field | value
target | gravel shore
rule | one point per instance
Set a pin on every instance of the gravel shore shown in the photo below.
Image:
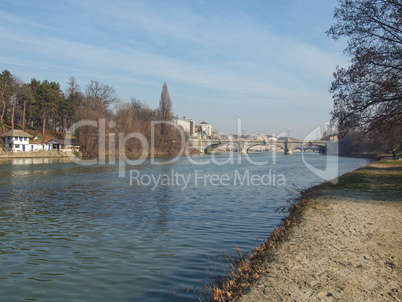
(348, 247)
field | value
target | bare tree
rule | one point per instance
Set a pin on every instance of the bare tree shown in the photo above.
(368, 94)
(105, 94)
(88, 136)
(94, 107)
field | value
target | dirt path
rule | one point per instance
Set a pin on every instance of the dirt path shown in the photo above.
(345, 249)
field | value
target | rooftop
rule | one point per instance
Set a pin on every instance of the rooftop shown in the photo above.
(63, 142)
(15, 133)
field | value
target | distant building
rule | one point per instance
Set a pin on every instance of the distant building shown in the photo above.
(215, 136)
(63, 145)
(225, 136)
(261, 137)
(206, 128)
(188, 125)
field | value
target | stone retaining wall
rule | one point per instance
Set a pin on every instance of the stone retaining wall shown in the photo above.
(39, 154)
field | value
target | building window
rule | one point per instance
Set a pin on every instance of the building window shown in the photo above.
(16, 146)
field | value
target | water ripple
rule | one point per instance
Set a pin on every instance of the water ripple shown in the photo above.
(75, 233)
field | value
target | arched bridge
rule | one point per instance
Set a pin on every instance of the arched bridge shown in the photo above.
(288, 145)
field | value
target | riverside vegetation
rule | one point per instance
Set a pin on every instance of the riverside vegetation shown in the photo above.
(274, 271)
(43, 109)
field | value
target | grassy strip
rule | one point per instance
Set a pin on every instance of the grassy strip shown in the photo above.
(383, 178)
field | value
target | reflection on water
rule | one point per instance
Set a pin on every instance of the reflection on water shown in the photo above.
(71, 232)
(34, 161)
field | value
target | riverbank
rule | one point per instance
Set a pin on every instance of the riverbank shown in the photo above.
(345, 245)
(36, 154)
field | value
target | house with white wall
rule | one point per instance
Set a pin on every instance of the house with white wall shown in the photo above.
(18, 141)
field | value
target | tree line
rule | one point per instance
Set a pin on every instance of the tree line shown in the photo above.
(43, 105)
(368, 94)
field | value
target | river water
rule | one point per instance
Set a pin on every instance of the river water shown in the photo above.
(71, 232)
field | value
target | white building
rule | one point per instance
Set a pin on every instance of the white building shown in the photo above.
(226, 137)
(188, 125)
(18, 141)
(260, 137)
(206, 128)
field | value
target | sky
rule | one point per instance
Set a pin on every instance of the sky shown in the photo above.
(267, 62)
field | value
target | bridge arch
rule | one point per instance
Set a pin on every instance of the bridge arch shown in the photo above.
(256, 144)
(299, 145)
(321, 149)
(211, 146)
(220, 143)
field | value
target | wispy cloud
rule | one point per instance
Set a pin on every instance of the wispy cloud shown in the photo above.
(217, 49)
(238, 78)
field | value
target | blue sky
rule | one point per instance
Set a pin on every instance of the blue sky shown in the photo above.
(266, 62)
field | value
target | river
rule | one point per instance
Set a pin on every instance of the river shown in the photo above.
(71, 232)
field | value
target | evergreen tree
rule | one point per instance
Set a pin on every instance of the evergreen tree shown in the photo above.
(47, 99)
(165, 107)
